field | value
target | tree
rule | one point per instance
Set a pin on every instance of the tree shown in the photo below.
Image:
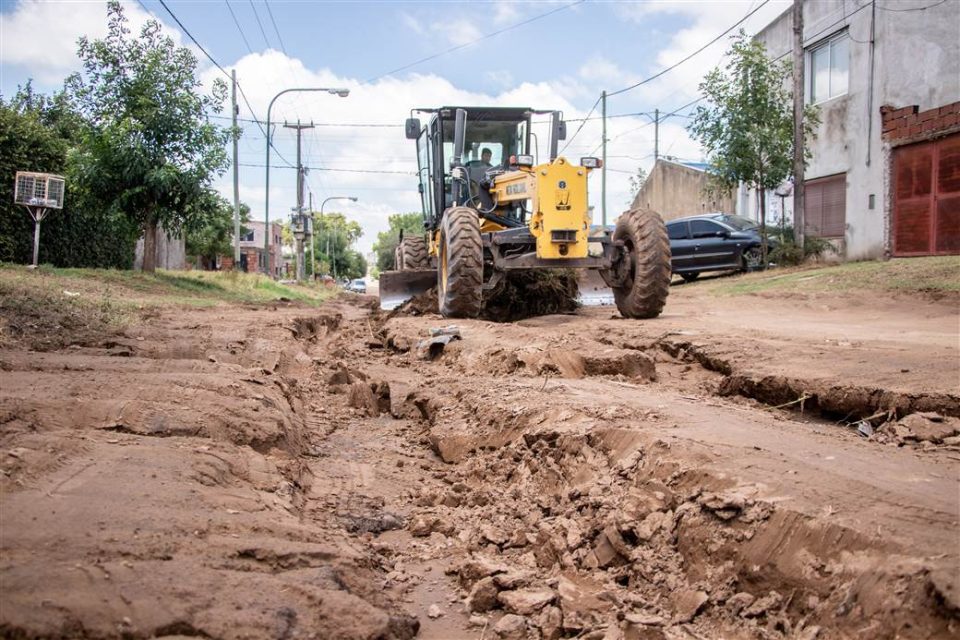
(42, 133)
(150, 151)
(387, 241)
(209, 233)
(636, 183)
(747, 126)
(333, 238)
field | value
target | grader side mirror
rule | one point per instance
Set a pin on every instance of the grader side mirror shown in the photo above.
(562, 131)
(412, 127)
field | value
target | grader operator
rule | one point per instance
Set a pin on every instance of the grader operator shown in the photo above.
(489, 208)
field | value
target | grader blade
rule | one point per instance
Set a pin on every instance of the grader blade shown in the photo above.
(396, 287)
(594, 292)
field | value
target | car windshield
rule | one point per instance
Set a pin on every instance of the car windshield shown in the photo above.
(737, 223)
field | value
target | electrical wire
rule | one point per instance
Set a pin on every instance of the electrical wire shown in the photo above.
(580, 128)
(237, 22)
(701, 49)
(929, 6)
(259, 24)
(283, 47)
(332, 169)
(485, 36)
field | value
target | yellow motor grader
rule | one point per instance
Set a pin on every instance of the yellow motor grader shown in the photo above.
(489, 208)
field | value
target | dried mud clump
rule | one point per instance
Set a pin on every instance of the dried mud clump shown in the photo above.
(522, 294)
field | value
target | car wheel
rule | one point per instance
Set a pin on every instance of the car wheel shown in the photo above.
(753, 259)
(690, 277)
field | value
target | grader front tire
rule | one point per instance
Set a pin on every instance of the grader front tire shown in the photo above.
(460, 272)
(412, 254)
(647, 268)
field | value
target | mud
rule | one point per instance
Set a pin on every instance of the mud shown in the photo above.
(294, 473)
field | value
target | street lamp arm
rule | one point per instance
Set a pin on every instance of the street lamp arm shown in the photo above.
(343, 93)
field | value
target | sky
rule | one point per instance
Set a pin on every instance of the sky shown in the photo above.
(541, 54)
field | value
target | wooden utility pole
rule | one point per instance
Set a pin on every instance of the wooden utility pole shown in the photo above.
(798, 142)
(236, 177)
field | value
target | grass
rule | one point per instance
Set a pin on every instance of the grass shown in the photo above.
(50, 307)
(929, 277)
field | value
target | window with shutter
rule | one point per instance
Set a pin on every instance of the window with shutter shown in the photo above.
(825, 206)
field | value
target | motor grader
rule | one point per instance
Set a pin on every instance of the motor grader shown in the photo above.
(489, 209)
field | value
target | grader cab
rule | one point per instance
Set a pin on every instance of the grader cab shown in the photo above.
(490, 208)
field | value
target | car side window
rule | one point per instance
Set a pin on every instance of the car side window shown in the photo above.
(677, 231)
(704, 229)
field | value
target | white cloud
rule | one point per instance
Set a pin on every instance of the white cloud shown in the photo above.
(41, 37)
(457, 32)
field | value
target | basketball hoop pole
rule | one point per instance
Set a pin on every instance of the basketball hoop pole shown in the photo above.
(38, 215)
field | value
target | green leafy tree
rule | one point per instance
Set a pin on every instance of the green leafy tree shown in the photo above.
(209, 233)
(42, 133)
(387, 241)
(150, 151)
(747, 125)
(636, 183)
(333, 237)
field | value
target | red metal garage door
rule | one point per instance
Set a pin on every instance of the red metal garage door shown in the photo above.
(926, 198)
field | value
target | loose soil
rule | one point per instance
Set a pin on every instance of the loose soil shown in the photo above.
(290, 472)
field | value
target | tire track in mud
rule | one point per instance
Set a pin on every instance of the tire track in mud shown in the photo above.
(560, 520)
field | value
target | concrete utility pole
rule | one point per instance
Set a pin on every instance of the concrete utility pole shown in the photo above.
(310, 230)
(603, 166)
(236, 177)
(300, 221)
(798, 142)
(656, 135)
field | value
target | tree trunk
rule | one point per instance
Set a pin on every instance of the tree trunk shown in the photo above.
(150, 247)
(763, 226)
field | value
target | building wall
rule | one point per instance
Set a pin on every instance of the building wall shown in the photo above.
(171, 252)
(674, 190)
(276, 247)
(916, 62)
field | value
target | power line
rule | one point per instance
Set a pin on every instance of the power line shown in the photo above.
(701, 49)
(335, 170)
(237, 22)
(929, 6)
(189, 35)
(475, 41)
(260, 24)
(580, 128)
(279, 37)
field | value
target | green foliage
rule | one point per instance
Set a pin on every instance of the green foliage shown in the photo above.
(387, 241)
(636, 183)
(40, 133)
(789, 253)
(333, 237)
(209, 233)
(747, 127)
(149, 151)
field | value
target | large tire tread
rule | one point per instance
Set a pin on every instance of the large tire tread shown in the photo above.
(648, 283)
(412, 254)
(460, 239)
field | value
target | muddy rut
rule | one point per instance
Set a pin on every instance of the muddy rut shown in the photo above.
(335, 473)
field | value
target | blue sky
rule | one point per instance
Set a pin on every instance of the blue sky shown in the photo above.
(560, 61)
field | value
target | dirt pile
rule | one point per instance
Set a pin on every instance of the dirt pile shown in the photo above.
(522, 294)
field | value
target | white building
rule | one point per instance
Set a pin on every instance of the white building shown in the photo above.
(884, 178)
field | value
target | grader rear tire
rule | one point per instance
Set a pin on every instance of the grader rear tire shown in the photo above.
(647, 268)
(460, 272)
(412, 254)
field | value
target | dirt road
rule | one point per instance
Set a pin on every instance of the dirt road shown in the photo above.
(278, 471)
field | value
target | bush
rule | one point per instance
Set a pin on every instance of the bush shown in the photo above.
(788, 253)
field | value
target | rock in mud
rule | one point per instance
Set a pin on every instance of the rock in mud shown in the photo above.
(526, 601)
(930, 427)
(511, 627)
(434, 612)
(739, 601)
(476, 568)
(687, 603)
(483, 596)
(763, 605)
(725, 506)
(361, 397)
(550, 621)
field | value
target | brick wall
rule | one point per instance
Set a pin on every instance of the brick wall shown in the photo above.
(908, 124)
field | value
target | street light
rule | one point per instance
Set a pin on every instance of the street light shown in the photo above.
(343, 93)
(351, 199)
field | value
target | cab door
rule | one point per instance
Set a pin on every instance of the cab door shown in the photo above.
(426, 176)
(713, 247)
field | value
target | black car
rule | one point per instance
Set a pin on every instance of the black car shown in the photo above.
(714, 242)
